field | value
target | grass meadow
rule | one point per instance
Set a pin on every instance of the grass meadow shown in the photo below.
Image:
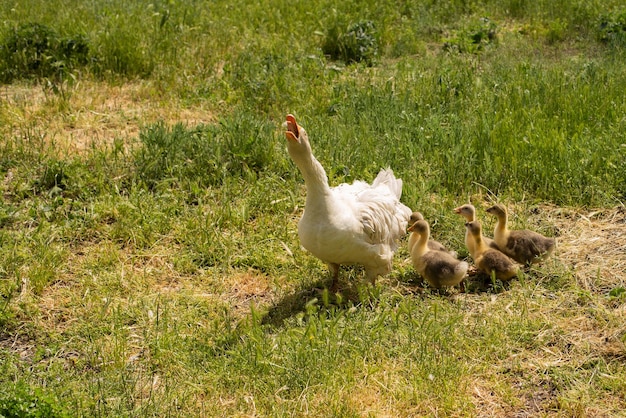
(149, 258)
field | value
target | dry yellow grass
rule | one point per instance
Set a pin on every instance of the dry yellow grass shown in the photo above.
(583, 324)
(94, 114)
(593, 244)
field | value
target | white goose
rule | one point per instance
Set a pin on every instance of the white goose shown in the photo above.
(354, 223)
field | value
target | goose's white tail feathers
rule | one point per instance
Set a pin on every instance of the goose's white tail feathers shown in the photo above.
(386, 177)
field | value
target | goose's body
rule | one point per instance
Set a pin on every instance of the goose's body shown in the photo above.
(432, 244)
(438, 268)
(523, 246)
(468, 212)
(356, 223)
(487, 259)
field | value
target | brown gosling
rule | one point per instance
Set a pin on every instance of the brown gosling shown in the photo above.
(523, 246)
(438, 268)
(432, 244)
(489, 260)
(468, 212)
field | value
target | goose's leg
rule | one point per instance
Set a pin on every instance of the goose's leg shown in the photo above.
(334, 273)
(371, 276)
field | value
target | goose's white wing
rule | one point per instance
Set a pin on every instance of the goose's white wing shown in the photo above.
(382, 217)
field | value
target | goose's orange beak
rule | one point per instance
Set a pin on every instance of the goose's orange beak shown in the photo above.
(293, 132)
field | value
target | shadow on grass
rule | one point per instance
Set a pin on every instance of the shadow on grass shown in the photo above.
(315, 298)
(474, 283)
(293, 303)
(309, 298)
(352, 291)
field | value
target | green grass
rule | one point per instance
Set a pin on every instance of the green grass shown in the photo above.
(160, 273)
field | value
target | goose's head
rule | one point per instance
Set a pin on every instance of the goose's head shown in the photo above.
(474, 228)
(467, 211)
(415, 216)
(419, 227)
(497, 210)
(297, 138)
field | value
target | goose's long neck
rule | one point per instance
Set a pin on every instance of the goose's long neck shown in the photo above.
(470, 243)
(418, 243)
(413, 239)
(500, 227)
(422, 243)
(315, 178)
(469, 218)
(479, 245)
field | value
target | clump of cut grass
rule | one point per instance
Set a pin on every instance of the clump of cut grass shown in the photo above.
(592, 241)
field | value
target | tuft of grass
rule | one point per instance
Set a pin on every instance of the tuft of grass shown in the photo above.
(22, 401)
(36, 50)
(358, 42)
(612, 27)
(207, 155)
(474, 38)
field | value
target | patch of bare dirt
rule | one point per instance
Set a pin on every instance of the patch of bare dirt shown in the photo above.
(250, 287)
